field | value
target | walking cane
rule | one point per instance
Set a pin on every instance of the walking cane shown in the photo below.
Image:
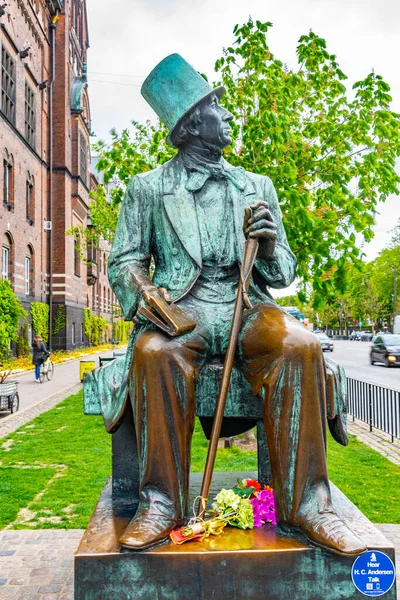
(242, 299)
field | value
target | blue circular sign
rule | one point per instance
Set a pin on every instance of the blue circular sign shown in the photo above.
(373, 573)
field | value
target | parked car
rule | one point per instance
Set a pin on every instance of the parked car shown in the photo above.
(366, 336)
(325, 341)
(354, 335)
(385, 348)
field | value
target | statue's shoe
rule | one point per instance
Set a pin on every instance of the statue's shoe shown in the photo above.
(332, 534)
(147, 529)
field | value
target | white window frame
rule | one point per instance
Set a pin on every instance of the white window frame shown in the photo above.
(73, 334)
(27, 275)
(5, 263)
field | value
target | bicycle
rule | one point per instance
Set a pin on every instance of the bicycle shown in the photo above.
(46, 370)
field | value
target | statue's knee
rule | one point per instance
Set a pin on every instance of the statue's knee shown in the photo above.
(150, 345)
(304, 341)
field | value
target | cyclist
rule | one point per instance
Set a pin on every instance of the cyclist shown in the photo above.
(39, 355)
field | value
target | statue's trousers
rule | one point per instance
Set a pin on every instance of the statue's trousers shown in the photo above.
(283, 363)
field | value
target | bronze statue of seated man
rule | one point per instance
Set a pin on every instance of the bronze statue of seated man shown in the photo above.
(188, 216)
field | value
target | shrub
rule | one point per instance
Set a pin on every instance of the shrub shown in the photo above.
(40, 319)
(60, 320)
(11, 311)
(23, 349)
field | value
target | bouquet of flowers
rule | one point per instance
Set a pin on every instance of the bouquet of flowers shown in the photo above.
(262, 501)
(245, 506)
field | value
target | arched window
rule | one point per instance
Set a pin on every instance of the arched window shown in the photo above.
(29, 272)
(105, 299)
(8, 181)
(109, 300)
(6, 257)
(30, 199)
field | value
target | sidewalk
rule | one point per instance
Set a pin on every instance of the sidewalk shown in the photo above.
(38, 565)
(38, 398)
(378, 440)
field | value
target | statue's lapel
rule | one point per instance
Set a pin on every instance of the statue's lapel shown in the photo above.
(180, 207)
(241, 199)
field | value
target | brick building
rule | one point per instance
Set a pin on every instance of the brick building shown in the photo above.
(45, 178)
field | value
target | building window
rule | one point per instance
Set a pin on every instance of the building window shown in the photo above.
(73, 333)
(27, 275)
(92, 253)
(77, 257)
(30, 335)
(105, 263)
(29, 269)
(30, 200)
(104, 299)
(30, 118)
(5, 263)
(82, 332)
(8, 85)
(8, 183)
(83, 158)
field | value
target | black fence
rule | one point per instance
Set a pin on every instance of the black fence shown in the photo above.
(377, 406)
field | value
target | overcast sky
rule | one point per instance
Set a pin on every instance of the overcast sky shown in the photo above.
(129, 37)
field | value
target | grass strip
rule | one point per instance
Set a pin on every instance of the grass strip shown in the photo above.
(55, 467)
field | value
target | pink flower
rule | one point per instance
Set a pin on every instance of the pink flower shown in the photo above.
(263, 505)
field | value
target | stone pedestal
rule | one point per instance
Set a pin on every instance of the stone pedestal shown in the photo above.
(265, 563)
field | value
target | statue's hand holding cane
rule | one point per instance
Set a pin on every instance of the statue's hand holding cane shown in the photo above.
(259, 224)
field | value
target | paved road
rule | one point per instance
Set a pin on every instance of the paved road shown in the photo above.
(66, 375)
(354, 356)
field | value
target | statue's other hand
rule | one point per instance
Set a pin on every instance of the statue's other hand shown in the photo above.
(165, 294)
(259, 223)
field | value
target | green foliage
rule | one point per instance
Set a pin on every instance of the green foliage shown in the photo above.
(23, 348)
(122, 330)
(87, 315)
(60, 320)
(40, 319)
(96, 328)
(99, 328)
(11, 311)
(331, 158)
(330, 154)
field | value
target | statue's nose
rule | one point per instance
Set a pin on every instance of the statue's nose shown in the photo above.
(228, 116)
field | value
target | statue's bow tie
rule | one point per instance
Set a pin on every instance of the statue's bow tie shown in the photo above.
(198, 176)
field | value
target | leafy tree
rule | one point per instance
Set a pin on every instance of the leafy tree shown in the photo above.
(11, 311)
(383, 276)
(329, 152)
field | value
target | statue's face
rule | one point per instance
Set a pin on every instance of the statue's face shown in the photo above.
(214, 127)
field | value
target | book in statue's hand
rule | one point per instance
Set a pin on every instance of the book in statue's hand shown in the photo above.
(167, 317)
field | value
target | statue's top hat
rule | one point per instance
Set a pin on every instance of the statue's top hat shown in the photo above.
(173, 89)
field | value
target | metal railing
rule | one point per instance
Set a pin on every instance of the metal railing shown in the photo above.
(375, 405)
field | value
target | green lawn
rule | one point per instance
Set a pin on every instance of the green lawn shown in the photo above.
(53, 469)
